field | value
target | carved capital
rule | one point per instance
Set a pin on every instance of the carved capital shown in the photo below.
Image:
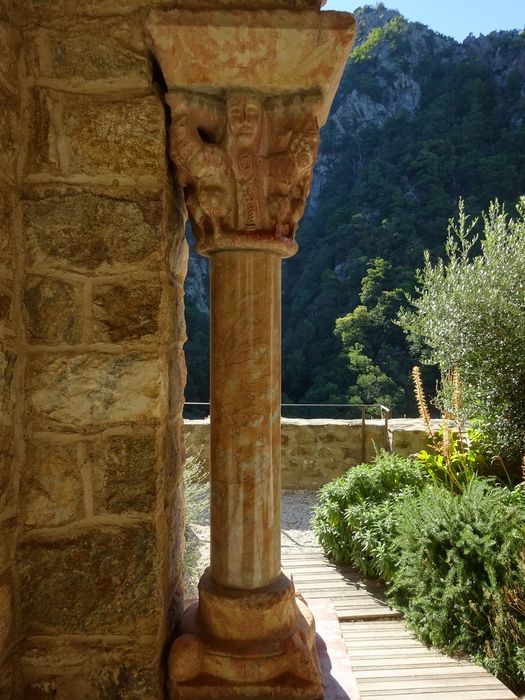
(245, 162)
(248, 92)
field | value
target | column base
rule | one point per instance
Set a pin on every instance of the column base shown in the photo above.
(246, 644)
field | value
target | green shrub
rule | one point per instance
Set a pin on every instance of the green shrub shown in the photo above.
(352, 519)
(460, 572)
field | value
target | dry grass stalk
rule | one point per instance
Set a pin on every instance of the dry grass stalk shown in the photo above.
(446, 444)
(456, 391)
(421, 400)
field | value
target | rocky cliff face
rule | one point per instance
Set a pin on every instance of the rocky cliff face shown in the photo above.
(197, 280)
(395, 80)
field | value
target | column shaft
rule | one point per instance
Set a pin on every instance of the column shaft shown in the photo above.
(245, 418)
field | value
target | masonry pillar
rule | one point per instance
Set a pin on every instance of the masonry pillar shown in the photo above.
(248, 91)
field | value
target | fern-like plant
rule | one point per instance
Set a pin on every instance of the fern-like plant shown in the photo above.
(460, 576)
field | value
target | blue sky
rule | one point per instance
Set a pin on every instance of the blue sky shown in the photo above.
(455, 18)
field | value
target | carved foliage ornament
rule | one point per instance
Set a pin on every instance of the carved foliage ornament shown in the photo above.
(245, 162)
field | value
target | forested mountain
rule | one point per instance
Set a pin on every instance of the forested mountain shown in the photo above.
(419, 121)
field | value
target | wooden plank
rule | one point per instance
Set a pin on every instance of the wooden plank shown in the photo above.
(387, 659)
(335, 584)
(406, 663)
(388, 654)
(348, 614)
(451, 670)
(386, 644)
(318, 575)
(386, 628)
(366, 636)
(453, 685)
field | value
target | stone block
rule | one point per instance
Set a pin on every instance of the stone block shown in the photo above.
(6, 466)
(90, 232)
(177, 381)
(9, 121)
(99, 581)
(105, 53)
(53, 311)
(6, 303)
(51, 488)
(9, 48)
(7, 368)
(6, 681)
(8, 11)
(58, 11)
(124, 312)
(124, 474)
(7, 197)
(43, 156)
(305, 451)
(335, 453)
(409, 436)
(52, 10)
(114, 682)
(250, 4)
(7, 621)
(94, 390)
(173, 328)
(301, 435)
(83, 136)
(72, 669)
(7, 543)
(127, 138)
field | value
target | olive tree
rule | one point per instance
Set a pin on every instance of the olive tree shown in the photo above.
(469, 315)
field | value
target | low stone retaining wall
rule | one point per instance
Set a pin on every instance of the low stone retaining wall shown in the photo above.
(316, 451)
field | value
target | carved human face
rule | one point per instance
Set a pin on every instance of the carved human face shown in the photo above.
(245, 119)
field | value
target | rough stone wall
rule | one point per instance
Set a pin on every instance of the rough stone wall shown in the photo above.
(313, 451)
(11, 359)
(316, 451)
(408, 435)
(91, 358)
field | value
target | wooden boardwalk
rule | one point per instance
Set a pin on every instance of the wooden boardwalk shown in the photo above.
(388, 661)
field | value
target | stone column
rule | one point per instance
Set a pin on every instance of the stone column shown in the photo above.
(245, 418)
(248, 91)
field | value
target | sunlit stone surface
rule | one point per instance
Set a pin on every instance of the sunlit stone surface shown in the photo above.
(248, 91)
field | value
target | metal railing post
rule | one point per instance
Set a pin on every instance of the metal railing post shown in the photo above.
(386, 416)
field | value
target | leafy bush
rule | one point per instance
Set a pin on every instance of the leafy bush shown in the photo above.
(460, 572)
(452, 458)
(454, 557)
(353, 517)
(470, 315)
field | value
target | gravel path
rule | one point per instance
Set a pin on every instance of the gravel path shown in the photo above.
(296, 533)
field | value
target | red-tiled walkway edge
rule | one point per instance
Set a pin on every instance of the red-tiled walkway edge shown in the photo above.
(338, 677)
